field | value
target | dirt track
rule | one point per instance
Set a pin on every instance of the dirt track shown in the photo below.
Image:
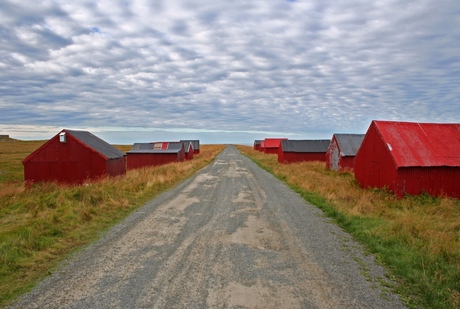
(231, 237)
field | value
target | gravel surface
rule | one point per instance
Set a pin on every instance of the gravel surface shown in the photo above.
(232, 236)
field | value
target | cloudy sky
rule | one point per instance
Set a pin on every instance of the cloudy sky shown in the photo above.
(227, 71)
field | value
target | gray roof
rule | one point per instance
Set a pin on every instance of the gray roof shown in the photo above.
(96, 144)
(257, 142)
(138, 146)
(305, 145)
(175, 145)
(349, 143)
(154, 151)
(195, 143)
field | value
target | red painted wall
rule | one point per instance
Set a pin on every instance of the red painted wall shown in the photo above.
(437, 181)
(189, 155)
(70, 162)
(347, 163)
(374, 167)
(289, 157)
(138, 160)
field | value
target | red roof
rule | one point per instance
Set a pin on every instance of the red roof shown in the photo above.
(273, 142)
(422, 144)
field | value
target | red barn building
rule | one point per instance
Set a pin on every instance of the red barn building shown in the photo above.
(257, 144)
(195, 145)
(262, 146)
(152, 154)
(342, 151)
(410, 158)
(302, 150)
(272, 145)
(188, 148)
(72, 157)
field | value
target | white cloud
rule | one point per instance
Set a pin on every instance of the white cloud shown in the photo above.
(304, 67)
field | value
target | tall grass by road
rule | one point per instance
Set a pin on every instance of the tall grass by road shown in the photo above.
(41, 225)
(417, 238)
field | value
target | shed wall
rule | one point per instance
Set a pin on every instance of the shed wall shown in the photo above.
(290, 157)
(138, 160)
(437, 181)
(189, 154)
(346, 163)
(374, 166)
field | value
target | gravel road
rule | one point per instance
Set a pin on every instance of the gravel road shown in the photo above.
(232, 236)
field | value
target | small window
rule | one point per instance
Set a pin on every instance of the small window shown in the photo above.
(62, 137)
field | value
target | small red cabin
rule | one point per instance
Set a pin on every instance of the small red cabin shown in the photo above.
(152, 154)
(72, 157)
(272, 145)
(257, 145)
(342, 151)
(195, 145)
(410, 158)
(262, 146)
(302, 150)
(188, 148)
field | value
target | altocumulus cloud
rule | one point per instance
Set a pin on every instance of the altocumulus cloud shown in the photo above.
(304, 69)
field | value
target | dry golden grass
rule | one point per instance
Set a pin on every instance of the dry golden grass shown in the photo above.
(428, 226)
(42, 224)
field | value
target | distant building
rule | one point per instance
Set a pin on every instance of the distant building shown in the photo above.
(262, 146)
(410, 158)
(342, 151)
(302, 150)
(73, 157)
(272, 145)
(195, 144)
(188, 148)
(153, 154)
(257, 145)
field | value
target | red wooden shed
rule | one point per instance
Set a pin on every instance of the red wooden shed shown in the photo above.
(257, 144)
(302, 150)
(342, 151)
(72, 157)
(195, 144)
(272, 145)
(410, 158)
(188, 148)
(152, 154)
(262, 146)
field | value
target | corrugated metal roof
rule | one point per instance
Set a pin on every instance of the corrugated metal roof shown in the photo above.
(421, 144)
(305, 145)
(138, 146)
(154, 151)
(349, 143)
(157, 147)
(96, 143)
(175, 145)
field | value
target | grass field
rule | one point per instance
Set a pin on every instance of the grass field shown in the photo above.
(417, 238)
(43, 224)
